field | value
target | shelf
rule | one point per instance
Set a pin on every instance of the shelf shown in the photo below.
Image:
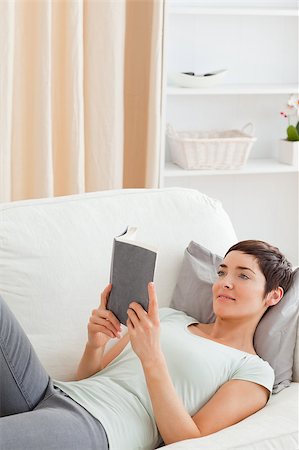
(236, 11)
(229, 89)
(252, 167)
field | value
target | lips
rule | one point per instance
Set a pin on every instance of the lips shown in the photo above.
(225, 298)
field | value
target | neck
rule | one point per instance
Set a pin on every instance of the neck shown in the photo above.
(237, 333)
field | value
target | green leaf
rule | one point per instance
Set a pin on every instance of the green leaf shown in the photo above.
(293, 134)
(297, 127)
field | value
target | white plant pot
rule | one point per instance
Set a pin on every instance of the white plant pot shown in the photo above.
(288, 152)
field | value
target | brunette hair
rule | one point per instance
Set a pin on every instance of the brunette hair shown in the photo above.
(274, 265)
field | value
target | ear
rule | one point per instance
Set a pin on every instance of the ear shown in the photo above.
(273, 297)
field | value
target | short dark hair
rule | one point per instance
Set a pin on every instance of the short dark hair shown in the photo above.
(274, 265)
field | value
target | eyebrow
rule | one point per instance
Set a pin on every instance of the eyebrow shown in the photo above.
(239, 267)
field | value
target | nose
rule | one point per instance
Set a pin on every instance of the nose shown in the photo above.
(227, 282)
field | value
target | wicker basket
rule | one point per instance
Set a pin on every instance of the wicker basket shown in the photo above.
(210, 149)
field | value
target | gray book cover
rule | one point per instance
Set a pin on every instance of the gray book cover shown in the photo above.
(132, 268)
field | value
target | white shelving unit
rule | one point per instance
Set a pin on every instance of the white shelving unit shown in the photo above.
(253, 167)
(258, 43)
(231, 89)
(230, 10)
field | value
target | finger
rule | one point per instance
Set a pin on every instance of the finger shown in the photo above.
(105, 295)
(133, 317)
(138, 309)
(153, 307)
(130, 325)
(104, 323)
(108, 315)
(100, 329)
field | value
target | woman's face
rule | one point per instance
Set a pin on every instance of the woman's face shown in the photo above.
(239, 290)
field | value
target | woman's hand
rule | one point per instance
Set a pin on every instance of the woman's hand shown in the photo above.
(102, 325)
(144, 329)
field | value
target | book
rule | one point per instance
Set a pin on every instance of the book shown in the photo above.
(132, 268)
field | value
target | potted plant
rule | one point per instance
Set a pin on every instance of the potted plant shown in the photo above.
(289, 147)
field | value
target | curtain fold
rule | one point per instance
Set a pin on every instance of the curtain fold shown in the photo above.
(6, 81)
(104, 34)
(67, 116)
(154, 121)
(79, 96)
(30, 103)
(143, 87)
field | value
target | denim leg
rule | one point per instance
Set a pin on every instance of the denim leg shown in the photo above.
(57, 423)
(23, 380)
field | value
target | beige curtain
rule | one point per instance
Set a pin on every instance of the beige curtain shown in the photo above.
(80, 96)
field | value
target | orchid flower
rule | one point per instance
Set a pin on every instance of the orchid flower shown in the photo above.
(292, 111)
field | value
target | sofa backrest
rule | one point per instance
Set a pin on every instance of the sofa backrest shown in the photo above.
(55, 256)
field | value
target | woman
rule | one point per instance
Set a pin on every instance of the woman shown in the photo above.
(169, 378)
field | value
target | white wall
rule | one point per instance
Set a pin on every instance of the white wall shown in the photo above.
(260, 206)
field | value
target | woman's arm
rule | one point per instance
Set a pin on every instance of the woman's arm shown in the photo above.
(172, 419)
(94, 359)
(102, 326)
(174, 422)
(234, 401)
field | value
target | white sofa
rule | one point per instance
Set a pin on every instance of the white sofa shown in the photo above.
(55, 260)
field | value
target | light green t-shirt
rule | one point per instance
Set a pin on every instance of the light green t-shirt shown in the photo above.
(118, 396)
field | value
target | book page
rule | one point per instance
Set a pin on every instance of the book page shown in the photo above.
(129, 237)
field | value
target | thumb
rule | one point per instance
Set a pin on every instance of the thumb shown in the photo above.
(105, 296)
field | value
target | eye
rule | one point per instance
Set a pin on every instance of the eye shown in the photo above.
(220, 273)
(243, 276)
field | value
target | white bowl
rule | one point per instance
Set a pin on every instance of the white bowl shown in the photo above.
(196, 81)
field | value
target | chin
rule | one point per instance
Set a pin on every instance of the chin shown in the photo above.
(223, 311)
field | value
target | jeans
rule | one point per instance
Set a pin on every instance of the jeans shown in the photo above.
(34, 414)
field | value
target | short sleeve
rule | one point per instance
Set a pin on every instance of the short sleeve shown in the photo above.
(256, 370)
